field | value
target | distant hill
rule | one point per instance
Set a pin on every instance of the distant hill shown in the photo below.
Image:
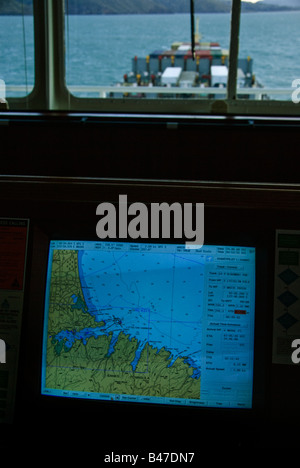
(291, 3)
(104, 7)
(145, 6)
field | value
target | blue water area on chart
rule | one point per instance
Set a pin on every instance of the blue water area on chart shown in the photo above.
(154, 298)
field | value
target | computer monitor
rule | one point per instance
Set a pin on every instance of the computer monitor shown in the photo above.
(151, 323)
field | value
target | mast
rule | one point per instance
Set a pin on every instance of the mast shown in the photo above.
(198, 36)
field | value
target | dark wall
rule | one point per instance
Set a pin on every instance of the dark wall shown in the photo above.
(207, 149)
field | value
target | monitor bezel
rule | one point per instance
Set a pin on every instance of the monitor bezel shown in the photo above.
(73, 219)
(40, 408)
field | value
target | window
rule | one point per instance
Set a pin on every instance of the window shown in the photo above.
(272, 38)
(142, 51)
(84, 55)
(144, 61)
(118, 56)
(17, 49)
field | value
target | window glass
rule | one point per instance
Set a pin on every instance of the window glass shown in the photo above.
(271, 39)
(16, 48)
(144, 51)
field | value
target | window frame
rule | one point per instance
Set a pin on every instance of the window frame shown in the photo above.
(50, 92)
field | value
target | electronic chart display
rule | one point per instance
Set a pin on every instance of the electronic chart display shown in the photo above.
(149, 323)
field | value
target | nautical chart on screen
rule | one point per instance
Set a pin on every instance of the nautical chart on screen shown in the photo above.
(148, 322)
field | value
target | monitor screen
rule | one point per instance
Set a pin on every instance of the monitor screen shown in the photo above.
(150, 323)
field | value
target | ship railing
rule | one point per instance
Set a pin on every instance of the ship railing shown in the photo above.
(196, 92)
